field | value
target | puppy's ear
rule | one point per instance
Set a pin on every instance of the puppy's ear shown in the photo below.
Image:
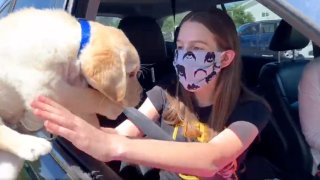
(106, 72)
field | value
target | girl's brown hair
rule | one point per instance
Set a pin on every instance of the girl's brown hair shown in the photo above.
(228, 84)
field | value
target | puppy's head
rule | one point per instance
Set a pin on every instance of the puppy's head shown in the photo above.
(110, 64)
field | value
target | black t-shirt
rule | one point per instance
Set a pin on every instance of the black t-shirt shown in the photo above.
(251, 111)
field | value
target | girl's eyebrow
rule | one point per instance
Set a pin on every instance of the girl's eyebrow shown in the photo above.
(195, 41)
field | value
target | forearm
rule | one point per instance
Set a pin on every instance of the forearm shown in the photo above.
(310, 119)
(200, 159)
(309, 100)
(127, 128)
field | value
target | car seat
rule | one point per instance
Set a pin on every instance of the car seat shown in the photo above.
(282, 140)
(146, 36)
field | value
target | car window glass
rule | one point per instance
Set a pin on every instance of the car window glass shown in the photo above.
(268, 27)
(108, 21)
(309, 8)
(4, 7)
(40, 4)
(250, 30)
(256, 25)
(168, 27)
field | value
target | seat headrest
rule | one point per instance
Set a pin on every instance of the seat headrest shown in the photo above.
(287, 38)
(146, 36)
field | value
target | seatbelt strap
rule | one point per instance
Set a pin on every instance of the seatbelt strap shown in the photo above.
(146, 125)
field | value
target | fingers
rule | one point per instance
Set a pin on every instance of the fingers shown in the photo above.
(50, 102)
(54, 118)
(36, 104)
(60, 131)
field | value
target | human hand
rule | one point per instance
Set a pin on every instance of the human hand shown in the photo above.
(102, 145)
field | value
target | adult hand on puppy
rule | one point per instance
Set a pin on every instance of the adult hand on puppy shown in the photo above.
(102, 145)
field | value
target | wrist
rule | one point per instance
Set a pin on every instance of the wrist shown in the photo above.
(120, 148)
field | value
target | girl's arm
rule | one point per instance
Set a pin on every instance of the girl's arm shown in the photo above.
(127, 128)
(200, 159)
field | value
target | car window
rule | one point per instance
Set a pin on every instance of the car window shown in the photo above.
(108, 21)
(250, 30)
(168, 25)
(308, 8)
(268, 27)
(303, 15)
(256, 25)
(4, 7)
(40, 4)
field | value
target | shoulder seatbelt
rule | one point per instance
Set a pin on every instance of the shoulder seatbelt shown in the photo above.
(147, 126)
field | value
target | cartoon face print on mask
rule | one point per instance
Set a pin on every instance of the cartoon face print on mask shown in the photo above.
(210, 56)
(189, 56)
(196, 68)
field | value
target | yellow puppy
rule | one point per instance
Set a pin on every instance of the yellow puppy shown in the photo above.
(48, 52)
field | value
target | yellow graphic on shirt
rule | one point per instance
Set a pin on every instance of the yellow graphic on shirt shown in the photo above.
(202, 128)
(228, 172)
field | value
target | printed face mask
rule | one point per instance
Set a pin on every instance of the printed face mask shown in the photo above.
(196, 68)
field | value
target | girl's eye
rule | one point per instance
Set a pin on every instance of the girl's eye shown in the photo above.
(197, 48)
(179, 47)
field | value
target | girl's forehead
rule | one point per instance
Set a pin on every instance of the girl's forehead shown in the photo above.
(193, 32)
(192, 29)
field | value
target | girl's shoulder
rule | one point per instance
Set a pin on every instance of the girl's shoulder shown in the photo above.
(255, 111)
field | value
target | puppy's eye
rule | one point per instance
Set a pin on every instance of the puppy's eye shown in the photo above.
(132, 74)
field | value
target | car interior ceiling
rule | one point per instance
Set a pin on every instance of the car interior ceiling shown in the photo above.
(276, 81)
(151, 8)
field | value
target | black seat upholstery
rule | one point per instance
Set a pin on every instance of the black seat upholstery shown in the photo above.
(278, 82)
(251, 69)
(145, 34)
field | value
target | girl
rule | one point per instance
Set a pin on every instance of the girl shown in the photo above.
(211, 116)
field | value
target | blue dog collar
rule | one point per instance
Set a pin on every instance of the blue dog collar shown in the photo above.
(85, 34)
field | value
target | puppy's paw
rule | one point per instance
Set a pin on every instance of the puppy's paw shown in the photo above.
(31, 148)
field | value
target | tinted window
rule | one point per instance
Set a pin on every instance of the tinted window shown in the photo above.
(309, 9)
(268, 27)
(40, 4)
(168, 27)
(108, 21)
(250, 30)
(4, 7)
